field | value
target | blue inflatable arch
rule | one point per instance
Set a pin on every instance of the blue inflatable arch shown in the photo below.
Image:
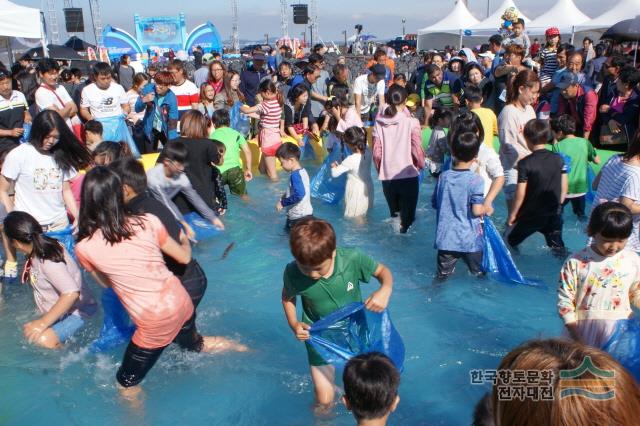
(205, 36)
(119, 42)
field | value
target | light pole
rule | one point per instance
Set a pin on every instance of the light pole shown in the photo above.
(488, 3)
(403, 22)
(344, 33)
(266, 36)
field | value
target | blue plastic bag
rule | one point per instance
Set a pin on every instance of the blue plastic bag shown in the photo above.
(591, 194)
(66, 238)
(497, 260)
(326, 188)
(239, 121)
(624, 346)
(115, 129)
(307, 150)
(116, 327)
(202, 227)
(354, 330)
(27, 132)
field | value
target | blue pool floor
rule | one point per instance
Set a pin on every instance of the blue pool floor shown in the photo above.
(448, 329)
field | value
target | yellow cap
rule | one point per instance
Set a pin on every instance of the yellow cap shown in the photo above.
(413, 100)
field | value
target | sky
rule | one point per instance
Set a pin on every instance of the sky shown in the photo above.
(382, 18)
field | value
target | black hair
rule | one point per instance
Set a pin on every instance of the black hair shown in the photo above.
(102, 207)
(23, 227)
(473, 94)
(68, 153)
(101, 68)
(355, 136)
(176, 151)
(46, 65)
(371, 383)
(296, 91)
(440, 114)
(315, 58)
(131, 173)
(338, 68)
(629, 75)
(600, 49)
(309, 69)
(288, 150)
(220, 150)
(433, 68)
(93, 126)
(537, 132)
(618, 61)
(399, 76)
(466, 122)
(520, 21)
(496, 39)
(112, 151)
(76, 72)
(267, 85)
(28, 85)
(465, 146)
(587, 39)
(611, 220)
(65, 75)
(316, 48)
(285, 64)
(338, 100)
(221, 118)
(395, 96)
(565, 124)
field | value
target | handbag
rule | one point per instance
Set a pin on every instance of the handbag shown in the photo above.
(607, 137)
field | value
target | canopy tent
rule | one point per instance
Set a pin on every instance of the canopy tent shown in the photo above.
(625, 9)
(564, 15)
(78, 44)
(20, 21)
(491, 24)
(56, 52)
(458, 20)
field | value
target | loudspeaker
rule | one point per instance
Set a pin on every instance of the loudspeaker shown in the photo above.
(300, 14)
(74, 20)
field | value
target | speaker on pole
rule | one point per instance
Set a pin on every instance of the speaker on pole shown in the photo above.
(300, 14)
(73, 20)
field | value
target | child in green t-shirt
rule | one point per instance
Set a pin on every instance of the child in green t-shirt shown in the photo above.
(326, 278)
(581, 152)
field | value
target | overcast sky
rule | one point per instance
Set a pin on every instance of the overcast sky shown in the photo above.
(382, 18)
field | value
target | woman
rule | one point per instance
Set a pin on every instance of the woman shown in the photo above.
(284, 78)
(398, 156)
(474, 76)
(230, 93)
(297, 109)
(160, 108)
(504, 74)
(522, 94)
(41, 171)
(134, 119)
(206, 104)
(216, 76)
(124, 251)
(621, 114)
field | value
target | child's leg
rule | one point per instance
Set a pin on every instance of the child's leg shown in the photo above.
(136, 363)
(552, 232)
(578, 206)
(446, 263)
(9, 251)
(390, 194)
(408, 200)
(474, 262)
(270, 167)
(323, 377)
(522, 229)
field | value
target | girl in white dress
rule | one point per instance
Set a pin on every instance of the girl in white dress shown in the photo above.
(358, 196)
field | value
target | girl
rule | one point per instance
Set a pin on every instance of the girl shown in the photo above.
(438, 144)
(230, 93)
(398, 156)
(41, 171)
(207, 96)
(134, 119)
(296, 113)
(358, 196)
(339, 116)
(599, 283)
(60, 294)
(124, 251)
(160, 106)
(549, 62)
(270, 111)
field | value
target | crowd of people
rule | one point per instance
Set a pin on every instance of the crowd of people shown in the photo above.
(508, 117)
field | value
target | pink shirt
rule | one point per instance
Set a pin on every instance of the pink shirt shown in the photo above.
(351, 118)
(154, 298)
(397, 146)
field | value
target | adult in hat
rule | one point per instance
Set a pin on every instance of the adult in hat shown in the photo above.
(368, 89)
(202, 73)
(251, 77)
(579, 101)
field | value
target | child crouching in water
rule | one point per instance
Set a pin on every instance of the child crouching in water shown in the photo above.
(61, 295)
(358, 196)
(326, 278)
(599, 283)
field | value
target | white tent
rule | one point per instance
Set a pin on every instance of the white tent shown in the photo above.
(564, 15)
(490, 25)
(625, 9)
(455, 22)
(19, 21)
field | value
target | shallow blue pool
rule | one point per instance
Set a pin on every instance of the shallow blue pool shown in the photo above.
(448, 329)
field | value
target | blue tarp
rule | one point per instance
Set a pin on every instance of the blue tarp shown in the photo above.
(323, 186)
(66, 238)
(354, 330)
(116, 328)
(624, 346)
(202, 227)
(307, 150)
(115, 129)
(239, 121)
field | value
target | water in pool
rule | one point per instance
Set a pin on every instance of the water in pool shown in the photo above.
(448, 329)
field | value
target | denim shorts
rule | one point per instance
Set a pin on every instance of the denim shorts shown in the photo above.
(67, 327)
(511, 183)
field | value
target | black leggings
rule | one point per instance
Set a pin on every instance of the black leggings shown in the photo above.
(402, 197)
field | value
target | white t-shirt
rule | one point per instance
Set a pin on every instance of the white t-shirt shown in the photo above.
(368, 91)
(38, 183)
(46, 98)
(488, 166)
(104, 103)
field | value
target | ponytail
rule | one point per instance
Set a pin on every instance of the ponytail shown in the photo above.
(395, 96)
(356, 137)
(22, 227)
(524, 78)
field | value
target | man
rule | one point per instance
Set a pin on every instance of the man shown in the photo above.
(380, 57)
(187, 94)
(14, 112)
(495, 46)
(202, 74)
(416, 78)
(339, 83)
(310, 74)
(251, 77)
(126, 72)
(197, 57)
(574, 65)
(103, 98)
(486, 61)
(369, 89)
(587, 50)
(318, 93)
(53, 96)
(593, 68)
(437, 91)
(579, 101)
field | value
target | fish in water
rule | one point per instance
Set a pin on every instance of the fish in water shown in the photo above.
(227, 250)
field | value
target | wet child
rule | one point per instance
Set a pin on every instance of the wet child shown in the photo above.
(438, 145)
(220, 205)
(599, 284)
(459, 203)
(473, 98)
(297, 199)
(541, 190)
(371, 388)
(580, 152)
(63, 299)
(358, 196)
(326, 278)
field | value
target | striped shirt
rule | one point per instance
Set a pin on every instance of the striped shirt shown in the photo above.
(618, 179)
(550, 64)
(270, 114)
(187, 93)
(12, 115)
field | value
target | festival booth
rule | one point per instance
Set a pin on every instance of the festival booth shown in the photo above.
(564, 15)
(119, 42)
(449, 30)
(491, 25)
(624, 9)
(19, 21)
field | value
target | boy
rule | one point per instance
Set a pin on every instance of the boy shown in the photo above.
(297, 199)
(92, 134)
(459, 203)
(473, 99)
(519, 37)
(231, 171)
(326, 278)
(104, 98)
(542, 188)
(167, 179)
(371, 388)
(580, 151)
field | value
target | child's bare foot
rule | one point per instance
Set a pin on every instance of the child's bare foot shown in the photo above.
(218, 344)
(132, 396)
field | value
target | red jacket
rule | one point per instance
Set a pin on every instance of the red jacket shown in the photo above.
(583, 108)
